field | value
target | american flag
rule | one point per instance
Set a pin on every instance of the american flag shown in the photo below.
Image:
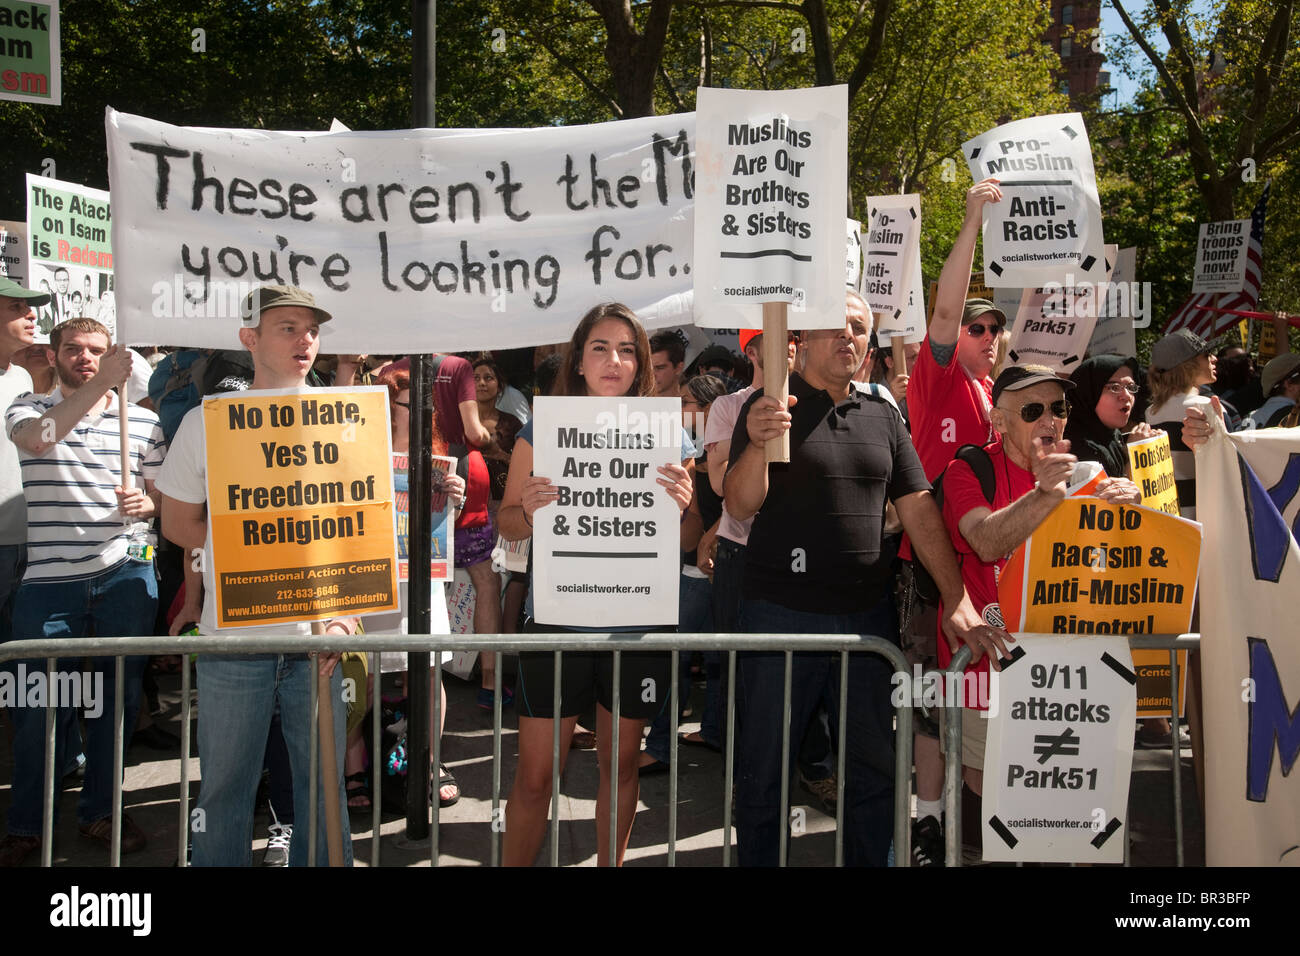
(1196, 314)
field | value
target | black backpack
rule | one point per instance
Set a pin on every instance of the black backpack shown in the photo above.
(980, 463)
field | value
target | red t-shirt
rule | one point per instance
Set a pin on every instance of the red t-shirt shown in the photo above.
(453, 385)
(949, 408)
(961, 495)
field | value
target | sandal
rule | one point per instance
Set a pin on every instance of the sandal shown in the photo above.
(583, 740)
(446, 779)
(361, 791)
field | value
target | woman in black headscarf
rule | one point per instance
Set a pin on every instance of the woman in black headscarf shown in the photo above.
(1105, 393)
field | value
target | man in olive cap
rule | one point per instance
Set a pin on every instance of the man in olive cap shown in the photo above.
(281, 328)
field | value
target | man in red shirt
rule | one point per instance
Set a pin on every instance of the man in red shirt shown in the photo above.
(1032, 467)
(949, 394)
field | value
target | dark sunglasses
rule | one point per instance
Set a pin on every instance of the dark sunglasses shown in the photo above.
(977, 329)
(406, 405)
(1033, 411)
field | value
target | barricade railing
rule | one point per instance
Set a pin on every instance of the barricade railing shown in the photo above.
(952, 740)
(244, 643)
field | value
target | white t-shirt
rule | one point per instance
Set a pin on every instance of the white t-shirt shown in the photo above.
(184, 477)
(14, 381)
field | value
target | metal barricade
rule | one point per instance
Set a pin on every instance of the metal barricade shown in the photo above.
(371, 644)
(952, 740)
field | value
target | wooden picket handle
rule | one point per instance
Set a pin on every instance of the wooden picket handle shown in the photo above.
(776, 370)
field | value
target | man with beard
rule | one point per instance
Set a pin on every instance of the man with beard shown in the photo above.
(88, 569)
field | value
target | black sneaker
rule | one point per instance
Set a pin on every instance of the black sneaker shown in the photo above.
(927, 842)
(278, 836)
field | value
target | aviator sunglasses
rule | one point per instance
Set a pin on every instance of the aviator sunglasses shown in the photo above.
(977, 329)
(1033, 411)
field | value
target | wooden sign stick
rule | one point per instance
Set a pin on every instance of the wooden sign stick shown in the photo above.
(329, 765)
(896, 344)
(776, 370)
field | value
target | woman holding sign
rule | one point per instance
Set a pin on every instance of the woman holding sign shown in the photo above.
(609, 355)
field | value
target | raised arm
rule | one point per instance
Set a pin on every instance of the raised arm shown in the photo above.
(954, 280)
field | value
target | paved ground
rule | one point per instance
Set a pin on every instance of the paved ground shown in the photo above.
(152, 779)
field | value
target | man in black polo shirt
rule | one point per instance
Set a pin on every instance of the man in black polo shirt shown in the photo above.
(814, 566)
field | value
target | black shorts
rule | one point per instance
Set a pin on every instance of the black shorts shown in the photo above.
(587, 678)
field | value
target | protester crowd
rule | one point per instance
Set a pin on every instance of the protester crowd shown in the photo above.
(842, 539)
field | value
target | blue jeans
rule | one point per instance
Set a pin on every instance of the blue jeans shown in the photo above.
(119, 602)
(869, 763)
(237, 696)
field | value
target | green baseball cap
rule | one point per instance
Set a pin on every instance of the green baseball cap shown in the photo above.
(10, 288)
(269, 297)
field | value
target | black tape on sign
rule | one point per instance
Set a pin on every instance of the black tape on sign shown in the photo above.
(897, 313)
(1070, 361)
(1016, 653)
(912, 211)
(995, 268)
(1069, 132)
(1088, 263)
(1015, 356)
(1119, 668)
(1107, 833)
(1001, 830)
(975, 153)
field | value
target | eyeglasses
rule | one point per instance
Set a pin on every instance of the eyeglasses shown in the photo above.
(977, 329)
(1033, 411)
(1116, 387)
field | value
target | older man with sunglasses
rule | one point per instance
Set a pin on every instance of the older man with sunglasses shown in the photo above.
(1031, 466)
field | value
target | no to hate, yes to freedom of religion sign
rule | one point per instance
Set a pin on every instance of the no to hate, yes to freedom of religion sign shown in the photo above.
(300, 497)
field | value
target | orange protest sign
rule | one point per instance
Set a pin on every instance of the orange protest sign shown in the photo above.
(300, 500)
(1097, 568)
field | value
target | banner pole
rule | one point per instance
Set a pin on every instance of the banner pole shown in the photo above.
(124, 435)
(420, 458)
(776, 370)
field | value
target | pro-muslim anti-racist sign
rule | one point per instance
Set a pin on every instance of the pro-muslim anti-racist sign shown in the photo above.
(1221, 256)
(1059, 752)
(771, 189)
(459, 239)
(1047, 228)
(893, 256)
(300, 499)
(607, 552)
(70, 253)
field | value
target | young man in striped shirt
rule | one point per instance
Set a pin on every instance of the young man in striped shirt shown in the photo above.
(86, 571)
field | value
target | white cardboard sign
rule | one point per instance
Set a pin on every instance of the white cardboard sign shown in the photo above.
(414, 240)
(1221, 256)
(1047, 228)
(1114, 332)
(607, 552)
(1060, 750)
(1054, 324)
(893, 256)
(771, 189)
